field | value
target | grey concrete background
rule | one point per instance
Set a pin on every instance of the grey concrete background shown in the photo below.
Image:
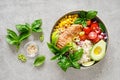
(20, 11)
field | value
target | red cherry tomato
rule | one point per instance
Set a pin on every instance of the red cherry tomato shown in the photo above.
(96, 40)
(94, 26)
(88, 22)
(87, 30)
(92, 35)
(84, 37)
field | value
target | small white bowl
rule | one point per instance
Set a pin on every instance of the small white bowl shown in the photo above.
(31, 49)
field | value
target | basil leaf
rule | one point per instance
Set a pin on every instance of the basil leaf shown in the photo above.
(91, 14)
(77, 55)
(23, 28)
(12, 34)
(78, 21)
(82, 14)
(84, 23)
(76, 65)
(39, 61)
(41, 37)
(36, 29)
(64, 49)
(81, 21)
(36, 26)
(24, 36)
(11, 40)
(102, 27)
(53, 48)
(61, 52)
(55, 37)
(57, 56)
(64, 63)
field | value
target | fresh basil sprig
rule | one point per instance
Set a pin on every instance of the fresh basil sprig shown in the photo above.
(71, 60)
(25, 31)
(84, 16)
(64, 63)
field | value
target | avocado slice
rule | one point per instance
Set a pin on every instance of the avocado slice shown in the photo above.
(55, 36)
(98, 50)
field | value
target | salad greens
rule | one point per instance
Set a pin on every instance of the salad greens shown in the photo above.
(102, 26)
(39, 61)
(25, 31)
(84, 16)
(65, 62)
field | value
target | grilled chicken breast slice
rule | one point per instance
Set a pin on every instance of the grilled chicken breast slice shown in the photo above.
(68, 34)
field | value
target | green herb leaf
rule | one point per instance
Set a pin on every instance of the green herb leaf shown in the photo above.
(91, 14)
(64, 63)
(24, 36)
(84, 23)
(81, 21)
(57, 56)
(102, 27)
(76, 65)
(53, 48)
(39, 60)
(82, 14)
(11, 40)
(41, 36)
(77, 55)
(12, 34)
(61, 52)
(36, 26)
(78, 21)
(23, 28)
(64, 49)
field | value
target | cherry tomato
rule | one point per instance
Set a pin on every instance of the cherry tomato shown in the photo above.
(87, 30)
(88, 22)
(92, 35)
(82, 38)
(96, 40)
(94, 26)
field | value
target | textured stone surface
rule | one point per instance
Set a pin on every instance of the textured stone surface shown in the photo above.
(20, 11)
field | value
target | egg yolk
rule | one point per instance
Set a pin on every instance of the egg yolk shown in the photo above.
(97, 50)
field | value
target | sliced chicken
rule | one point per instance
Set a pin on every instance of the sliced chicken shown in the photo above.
(68, 34)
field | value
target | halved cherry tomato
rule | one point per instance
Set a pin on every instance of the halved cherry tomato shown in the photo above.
(87, 30)
(92, 35)
(94, 26)
(82, 38)
(88, 22)
(96, 40)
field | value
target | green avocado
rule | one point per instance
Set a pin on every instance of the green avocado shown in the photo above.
(98, 50)
(55, 36)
